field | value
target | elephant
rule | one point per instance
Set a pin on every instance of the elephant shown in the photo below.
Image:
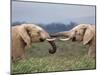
(24, 35)
(84, 33)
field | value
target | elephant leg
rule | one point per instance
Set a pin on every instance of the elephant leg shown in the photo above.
(14, 55)
(18, 55)
(13, 59)
(92, 52)
(23, 54)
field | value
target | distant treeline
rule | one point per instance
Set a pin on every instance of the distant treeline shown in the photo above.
(52, 27)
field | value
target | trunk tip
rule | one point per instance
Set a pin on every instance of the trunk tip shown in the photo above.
(52, 51)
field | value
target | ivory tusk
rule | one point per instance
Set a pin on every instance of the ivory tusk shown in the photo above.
(51, 39)
(65, 39)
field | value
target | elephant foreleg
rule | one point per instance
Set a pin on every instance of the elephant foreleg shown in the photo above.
(92, 52)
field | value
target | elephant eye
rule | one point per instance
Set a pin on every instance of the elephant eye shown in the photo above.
(38, 32)
(31, 33)
(79, 34)
(75, 31)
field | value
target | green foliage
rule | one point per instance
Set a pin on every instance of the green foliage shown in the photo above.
(69, 56)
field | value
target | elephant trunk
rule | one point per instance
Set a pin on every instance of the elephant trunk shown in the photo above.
(65, 34)
(46, 36)
(52, 43)
(60, 34)
(52, 51)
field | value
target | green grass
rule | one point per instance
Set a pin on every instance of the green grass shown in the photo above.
(69, 56)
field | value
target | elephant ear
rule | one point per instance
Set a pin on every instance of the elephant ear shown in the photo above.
(24, 34)
(88, 35)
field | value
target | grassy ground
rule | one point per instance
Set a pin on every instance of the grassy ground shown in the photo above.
(69, 56)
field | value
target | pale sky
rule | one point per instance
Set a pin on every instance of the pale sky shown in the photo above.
(33, 12)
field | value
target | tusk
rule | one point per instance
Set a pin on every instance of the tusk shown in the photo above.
(65, 39)
(51, 39)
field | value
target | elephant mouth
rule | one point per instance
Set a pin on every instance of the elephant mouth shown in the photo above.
(73, 39)
(42, 39)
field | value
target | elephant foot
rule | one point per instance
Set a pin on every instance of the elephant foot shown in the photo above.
(91, 54)
(23, 56)
(13, 59)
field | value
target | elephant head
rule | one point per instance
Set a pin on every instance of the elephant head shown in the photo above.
(31, 33)
(82, 32)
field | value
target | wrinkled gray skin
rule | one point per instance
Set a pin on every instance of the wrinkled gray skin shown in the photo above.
(83, 33)
(24, 35)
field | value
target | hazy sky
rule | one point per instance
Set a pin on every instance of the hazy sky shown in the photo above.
(32, 12)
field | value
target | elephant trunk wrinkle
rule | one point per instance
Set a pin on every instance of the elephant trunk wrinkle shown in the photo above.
(52, 51)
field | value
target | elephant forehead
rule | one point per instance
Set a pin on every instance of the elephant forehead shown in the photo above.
(80, 26)
(33, 26)
(37, 27)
